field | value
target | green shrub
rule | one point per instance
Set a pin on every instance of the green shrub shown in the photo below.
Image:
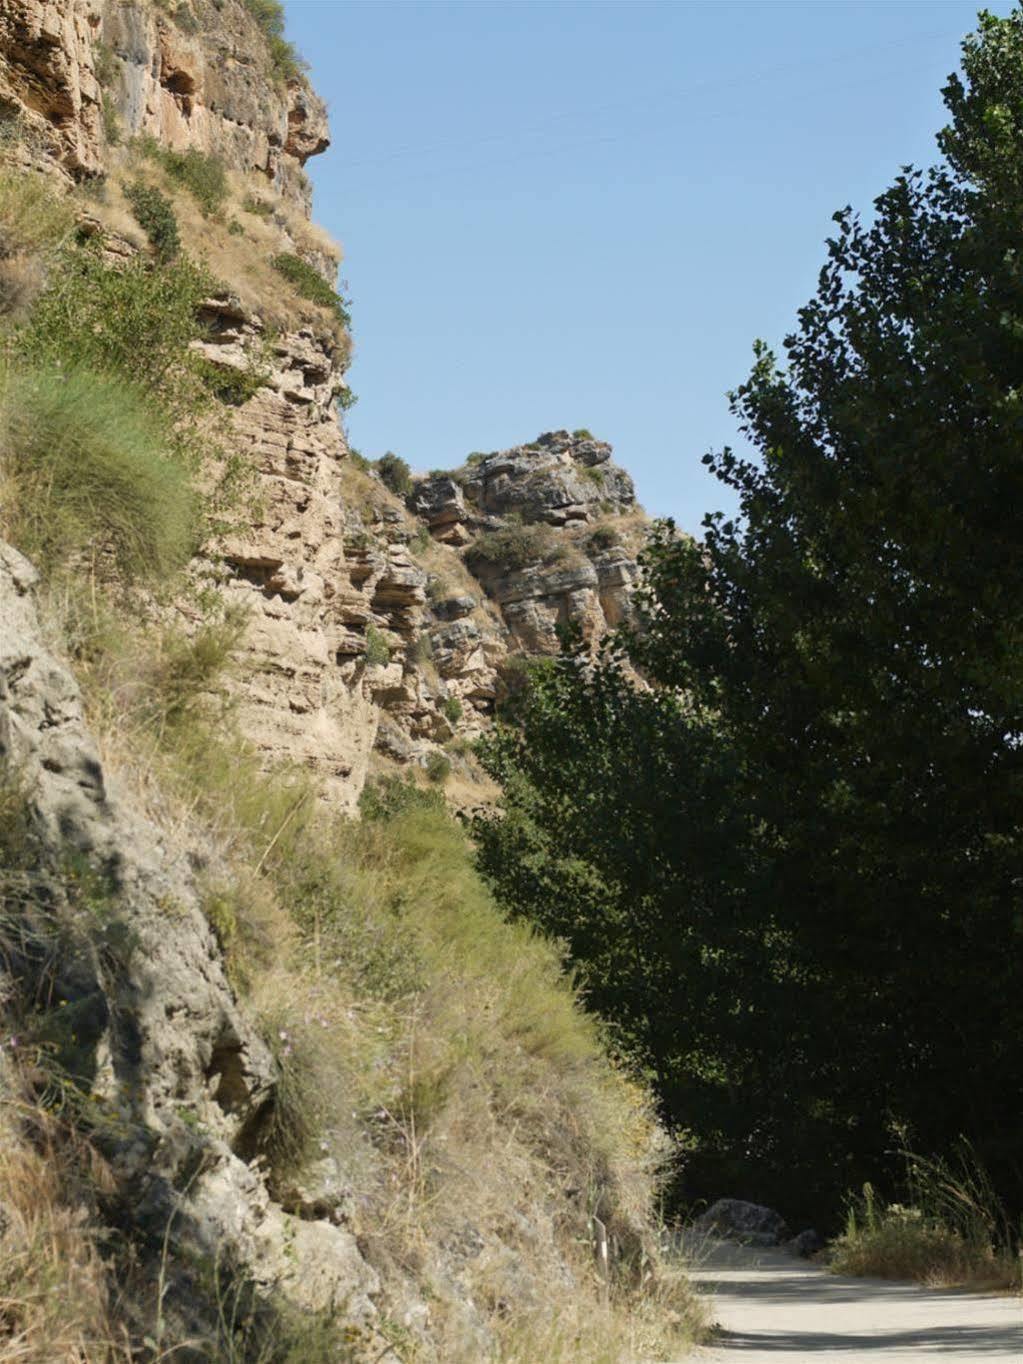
(594, 474)
(269, 15)
(228, 384)
(438, 767)
(475, 458)
(202, 175)
(583, 433)
(951, 1230)
(421, 541)
(378, 651)
(394, 473)
(359, 459)
(603, 537)
(451, 709)
(261, 208)
(134, 321)
(515, 546)
(155, 214)
(310, 284)
(88, 475)
(346, 398)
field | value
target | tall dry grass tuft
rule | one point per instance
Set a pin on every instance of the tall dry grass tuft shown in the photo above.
(55, 1303)
(950, 1232)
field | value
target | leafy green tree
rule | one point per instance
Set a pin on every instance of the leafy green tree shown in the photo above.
(849, 651)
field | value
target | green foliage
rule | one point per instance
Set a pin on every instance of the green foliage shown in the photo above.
(475, 458)
(346, 398)
(949, 1231)
(89, 474)
(228, 384)
(132, 321)
(515, 547)
(603, 537)
(394, 474)
(582, 433)
(451, 708)
(437, 767)
(202, 175)
(359, 459)
(796, 895)
(155, 215)
(308, 282)
(378, 652)
(269, 15)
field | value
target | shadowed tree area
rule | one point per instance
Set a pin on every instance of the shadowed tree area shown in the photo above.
(790, 874)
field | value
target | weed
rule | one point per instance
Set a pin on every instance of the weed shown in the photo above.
(515, 547)
(451, 708)
(950, 1232)
(284, 59)
(394, 473)
(582, 433)
(89, 476)
(378, 651)
(308, 282)
(421, 650)
(155, 215)
(438, 767)
(262, 208)
(602, 538)
(203, 175)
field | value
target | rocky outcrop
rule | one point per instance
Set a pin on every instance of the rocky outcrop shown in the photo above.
(140, 1011)
(549, 529)
(202, 80)
(48, 79)
(361, 606)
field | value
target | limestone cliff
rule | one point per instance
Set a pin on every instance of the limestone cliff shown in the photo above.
(277, 1083)
(457, 577)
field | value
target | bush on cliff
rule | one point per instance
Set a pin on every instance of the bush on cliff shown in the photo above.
(308, 281)
(87, 474)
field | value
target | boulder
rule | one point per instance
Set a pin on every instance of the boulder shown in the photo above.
(750, 1224)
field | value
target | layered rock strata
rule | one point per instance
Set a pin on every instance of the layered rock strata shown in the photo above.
(377, 625)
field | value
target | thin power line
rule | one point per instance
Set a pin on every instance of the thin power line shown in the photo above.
(674, 94)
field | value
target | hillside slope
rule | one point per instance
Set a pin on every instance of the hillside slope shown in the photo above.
(276, 1083)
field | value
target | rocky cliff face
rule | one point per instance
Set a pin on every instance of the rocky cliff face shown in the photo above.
(476, 566)
(153, 1027)
(202, 79)
(460, 1134)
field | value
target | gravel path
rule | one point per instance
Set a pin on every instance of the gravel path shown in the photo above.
(773, 1309)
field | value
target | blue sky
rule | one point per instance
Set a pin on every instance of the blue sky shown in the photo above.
(582, 214)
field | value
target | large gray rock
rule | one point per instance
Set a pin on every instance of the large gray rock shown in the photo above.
(558, 478)
(750, 1224)
(178, 1077)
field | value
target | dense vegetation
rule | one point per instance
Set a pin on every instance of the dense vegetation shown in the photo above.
(434, 1048)
(790, 875)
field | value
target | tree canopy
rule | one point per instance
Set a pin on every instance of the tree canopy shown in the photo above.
(789, 873)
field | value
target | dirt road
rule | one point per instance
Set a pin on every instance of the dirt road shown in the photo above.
(774, 1309)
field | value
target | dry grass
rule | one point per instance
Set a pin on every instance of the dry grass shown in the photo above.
(54, 1286)
(240, 259)
(952, 1235)
(431, 1048)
